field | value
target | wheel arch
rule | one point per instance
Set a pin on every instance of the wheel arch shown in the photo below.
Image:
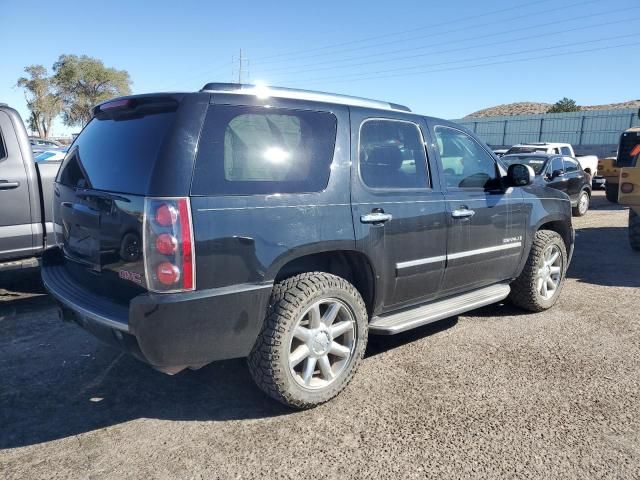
(352, 265)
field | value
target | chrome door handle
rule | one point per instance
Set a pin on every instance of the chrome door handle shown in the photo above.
(4, 185)
(462, 213)
(375, 217)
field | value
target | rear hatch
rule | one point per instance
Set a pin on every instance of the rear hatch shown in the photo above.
(100, 193)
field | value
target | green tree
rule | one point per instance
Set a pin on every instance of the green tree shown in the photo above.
(42, 102)
(564, 105)
(82, 82)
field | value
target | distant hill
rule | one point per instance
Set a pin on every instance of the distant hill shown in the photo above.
(534, 108)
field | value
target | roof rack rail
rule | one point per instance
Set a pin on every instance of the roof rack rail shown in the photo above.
(282, 92)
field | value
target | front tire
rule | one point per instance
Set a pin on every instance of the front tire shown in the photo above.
(634, 230)
(312, 340)
(583, 204)
(538, 286)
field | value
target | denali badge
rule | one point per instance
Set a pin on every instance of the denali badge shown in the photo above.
(131, 276)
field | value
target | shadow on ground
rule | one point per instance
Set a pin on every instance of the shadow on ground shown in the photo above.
(603, 257)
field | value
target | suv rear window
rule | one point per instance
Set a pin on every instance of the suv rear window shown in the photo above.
(256, 150)
(117, 154)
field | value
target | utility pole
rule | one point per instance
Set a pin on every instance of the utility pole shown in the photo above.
(242, 68)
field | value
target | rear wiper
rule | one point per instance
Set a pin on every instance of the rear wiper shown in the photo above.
(111, 196)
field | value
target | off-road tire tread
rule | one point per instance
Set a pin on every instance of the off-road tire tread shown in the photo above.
(634, 230)
(523, 289)
(287, 297)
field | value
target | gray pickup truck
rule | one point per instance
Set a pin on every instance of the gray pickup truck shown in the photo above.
(26, 191)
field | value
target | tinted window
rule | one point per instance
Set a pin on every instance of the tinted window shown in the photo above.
(465, 164)
(557, 165)
(570, 165)
(392, 155)
(565, 151)
(537, 163)
(3, 151)
(258, 150)
(117, 155)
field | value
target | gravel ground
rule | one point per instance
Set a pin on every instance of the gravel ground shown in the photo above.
(493, 393)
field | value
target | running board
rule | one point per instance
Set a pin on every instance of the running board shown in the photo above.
(397, 322)
(19, 264)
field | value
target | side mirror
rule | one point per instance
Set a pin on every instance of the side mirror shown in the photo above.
(556, 173)
(520, 175)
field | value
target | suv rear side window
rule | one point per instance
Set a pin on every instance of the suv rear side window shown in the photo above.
(570, 165)
(392, 155)
(254, 150)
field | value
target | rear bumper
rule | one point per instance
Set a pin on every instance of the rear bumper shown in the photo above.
(168, 331)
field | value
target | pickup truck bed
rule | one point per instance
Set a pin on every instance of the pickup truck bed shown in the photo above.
(26, 194)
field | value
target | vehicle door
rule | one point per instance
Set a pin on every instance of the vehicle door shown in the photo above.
(398, 211)
(486, 221)
(555, 177)
(16, 235)
(576, 177)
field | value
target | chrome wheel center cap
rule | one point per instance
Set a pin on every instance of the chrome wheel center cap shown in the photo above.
(320, 343)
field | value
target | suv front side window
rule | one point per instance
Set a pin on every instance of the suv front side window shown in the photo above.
(464, 163)
(557, 166)
(392, 155)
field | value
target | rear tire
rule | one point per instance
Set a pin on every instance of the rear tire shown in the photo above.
(538, 286)
(634, 230)
(611, 191)
(582, 206)
(312, 340)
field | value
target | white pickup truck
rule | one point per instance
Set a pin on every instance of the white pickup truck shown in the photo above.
(589, 163)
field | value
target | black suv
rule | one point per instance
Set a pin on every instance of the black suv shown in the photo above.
(286, 226)
(560, 172)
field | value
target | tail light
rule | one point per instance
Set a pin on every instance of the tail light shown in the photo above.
(169, 259)
(626, 187)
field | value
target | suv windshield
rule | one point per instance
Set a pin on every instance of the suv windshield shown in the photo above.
(535, 162)
(117, 154)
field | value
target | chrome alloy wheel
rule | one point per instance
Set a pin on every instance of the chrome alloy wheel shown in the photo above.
(583, 203)
(549, 272)
(322, 343)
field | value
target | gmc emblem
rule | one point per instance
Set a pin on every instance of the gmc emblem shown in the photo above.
(131, 276)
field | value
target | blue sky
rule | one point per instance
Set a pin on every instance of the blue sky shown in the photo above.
(444, 59)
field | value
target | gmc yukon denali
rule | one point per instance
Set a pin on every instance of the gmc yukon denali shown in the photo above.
(26, 192)
(286, 226)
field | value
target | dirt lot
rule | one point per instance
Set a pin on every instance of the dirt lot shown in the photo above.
(494, 393)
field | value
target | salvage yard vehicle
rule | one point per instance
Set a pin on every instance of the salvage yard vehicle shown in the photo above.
(26, 196)
(589, 163)
(559, 172)
(629, 182)
(286, 226)
(627, 157)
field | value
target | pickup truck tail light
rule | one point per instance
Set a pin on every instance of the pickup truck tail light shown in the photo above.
(169, 258)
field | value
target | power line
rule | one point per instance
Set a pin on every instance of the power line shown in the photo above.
(465, 67)
(365, 39)
(337, 63)
(356, 76)
(305, 54)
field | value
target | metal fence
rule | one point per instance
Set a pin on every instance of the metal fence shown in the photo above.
(596, 131)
